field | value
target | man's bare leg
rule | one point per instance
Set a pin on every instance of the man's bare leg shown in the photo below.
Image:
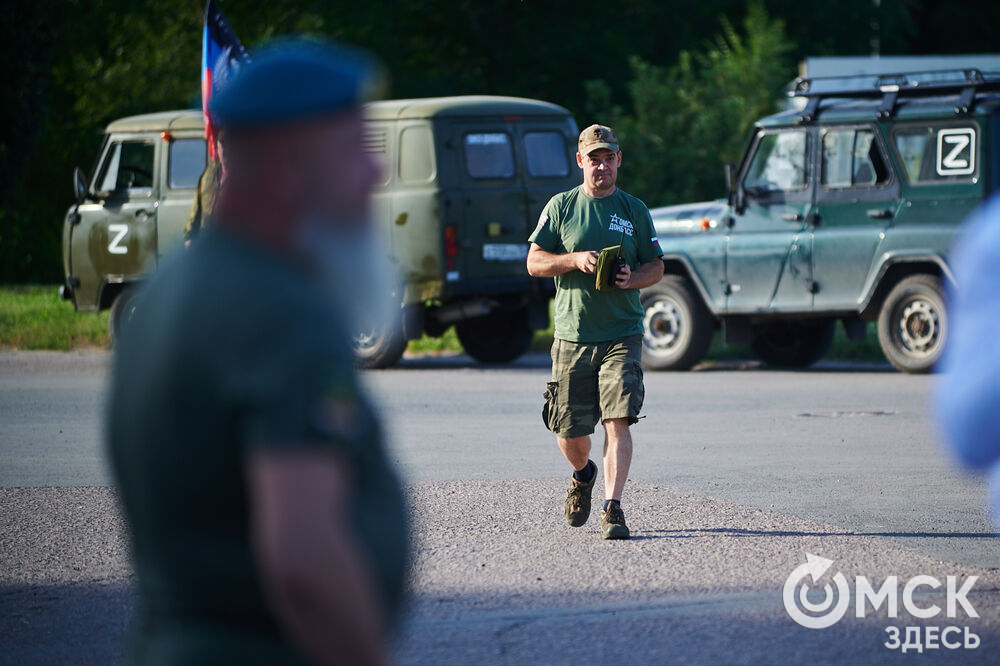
(617, 457)
(576, 450)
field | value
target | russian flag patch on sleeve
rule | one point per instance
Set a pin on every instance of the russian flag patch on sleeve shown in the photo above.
(656, 242)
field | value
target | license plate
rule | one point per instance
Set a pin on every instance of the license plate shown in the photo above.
(505, 251)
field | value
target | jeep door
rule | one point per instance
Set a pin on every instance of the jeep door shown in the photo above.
(115, 238)
(856, 201)
(768, 248)
(183, 164)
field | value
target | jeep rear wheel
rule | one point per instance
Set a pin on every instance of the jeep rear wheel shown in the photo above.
(913, 324)
(380, 347)
(792, 343)
(677, 326)
(499, 337)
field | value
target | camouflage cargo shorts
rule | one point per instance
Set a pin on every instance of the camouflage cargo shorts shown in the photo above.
(593, 382)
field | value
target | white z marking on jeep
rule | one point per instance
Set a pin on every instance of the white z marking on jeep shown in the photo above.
(961, 147)
(115, 247)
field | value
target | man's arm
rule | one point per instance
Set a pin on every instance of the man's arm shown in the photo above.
(309, 561)
(542, 263)
(646, 275)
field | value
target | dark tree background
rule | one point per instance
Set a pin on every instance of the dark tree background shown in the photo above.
(659, 70)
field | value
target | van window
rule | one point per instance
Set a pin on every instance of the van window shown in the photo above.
(416, 155)
(128, 167)
(546, 153)
(851, 158)
(937, 154)
(187, 161)
(489, 155)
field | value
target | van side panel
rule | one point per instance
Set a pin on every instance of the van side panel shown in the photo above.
(406, 206)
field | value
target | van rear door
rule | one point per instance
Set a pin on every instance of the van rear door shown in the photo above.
(491, 199)
(510, 167)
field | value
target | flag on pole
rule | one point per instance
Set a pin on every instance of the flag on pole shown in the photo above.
(221, 55)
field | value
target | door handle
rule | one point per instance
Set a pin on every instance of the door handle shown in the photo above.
(880, 213)
(143, 215)
(792, 217)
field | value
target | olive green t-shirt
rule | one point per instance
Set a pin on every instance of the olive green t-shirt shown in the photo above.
(573, 221)
(233, 350)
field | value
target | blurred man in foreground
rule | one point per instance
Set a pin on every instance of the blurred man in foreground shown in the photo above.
(968, 394)
(266, 523)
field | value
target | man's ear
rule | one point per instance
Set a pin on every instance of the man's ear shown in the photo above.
(619, 158)
(579, 160)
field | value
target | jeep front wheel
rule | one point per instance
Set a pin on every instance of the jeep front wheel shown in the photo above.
(792, 343)
(913, 324)
(677, 326)
(499, 337)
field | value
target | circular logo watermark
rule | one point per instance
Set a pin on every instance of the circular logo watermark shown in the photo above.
(805, 612)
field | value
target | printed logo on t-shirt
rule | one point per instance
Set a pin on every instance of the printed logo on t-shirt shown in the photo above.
(620, 224)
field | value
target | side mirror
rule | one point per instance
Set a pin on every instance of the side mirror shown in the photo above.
(735, 197)
(79, 185)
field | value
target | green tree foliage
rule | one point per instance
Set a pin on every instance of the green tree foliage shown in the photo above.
(686, 121)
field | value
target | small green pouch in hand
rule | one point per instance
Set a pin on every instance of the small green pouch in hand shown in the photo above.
(608, 263)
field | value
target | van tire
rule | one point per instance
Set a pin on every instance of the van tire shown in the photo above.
(380, 349)
(122, 311)
(913, 324)
(793, 343)
(678, 328)
(501, 336)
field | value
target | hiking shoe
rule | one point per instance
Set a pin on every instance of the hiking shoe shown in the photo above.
(578, 499)
(613, 522)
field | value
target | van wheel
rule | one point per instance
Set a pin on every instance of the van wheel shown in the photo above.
(122, 311)
(677, 326)
(500, 337)
(793, 343)
(380, 348)
(913, 324)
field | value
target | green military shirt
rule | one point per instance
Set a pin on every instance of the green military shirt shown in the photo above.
(204, 200)
(232, 350)
(574, 221)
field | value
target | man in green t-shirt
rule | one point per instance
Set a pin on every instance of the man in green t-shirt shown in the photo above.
(267, 524)
(596, 354)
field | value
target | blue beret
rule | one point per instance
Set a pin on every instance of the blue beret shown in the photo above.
(291, 80)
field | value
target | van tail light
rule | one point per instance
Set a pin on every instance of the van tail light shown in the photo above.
(450, 246)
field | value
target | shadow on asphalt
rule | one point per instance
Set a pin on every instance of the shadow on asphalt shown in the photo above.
(74, 623)
(739, 532)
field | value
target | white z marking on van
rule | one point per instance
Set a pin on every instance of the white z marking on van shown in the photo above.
(115, 247)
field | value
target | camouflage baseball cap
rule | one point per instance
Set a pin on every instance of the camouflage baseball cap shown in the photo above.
(597, 136)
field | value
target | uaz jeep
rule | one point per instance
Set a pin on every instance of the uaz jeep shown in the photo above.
(842, 210)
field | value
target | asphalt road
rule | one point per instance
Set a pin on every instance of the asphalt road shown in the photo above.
(738, 472)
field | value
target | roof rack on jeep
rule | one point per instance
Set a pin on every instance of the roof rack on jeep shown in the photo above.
(963, 82)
